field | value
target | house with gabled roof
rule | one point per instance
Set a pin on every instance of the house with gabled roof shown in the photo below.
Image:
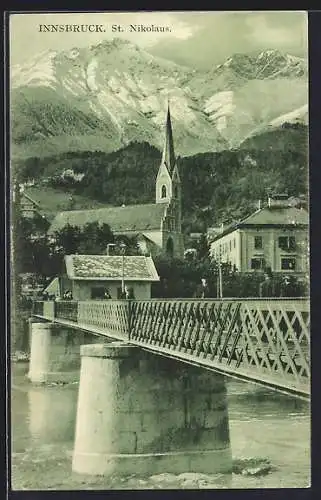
(159, 223)
(88, 277)
(29, 207)
(274, 236)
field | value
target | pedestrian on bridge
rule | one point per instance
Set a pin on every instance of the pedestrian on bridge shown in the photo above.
(202, 290)
(269, 287)
(127, 293)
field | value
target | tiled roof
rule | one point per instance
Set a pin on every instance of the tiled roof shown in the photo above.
(25, 195)
(285, 215)
(109, 267)
(128, 218)
(276, 216)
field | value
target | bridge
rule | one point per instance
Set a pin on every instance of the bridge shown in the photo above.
(152, 394)
(254, 340)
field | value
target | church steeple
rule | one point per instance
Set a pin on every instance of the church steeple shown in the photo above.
(168, 156)
(168, 192)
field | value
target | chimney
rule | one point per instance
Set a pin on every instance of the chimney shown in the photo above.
(278, 201)
(259, 205)
(222, 227)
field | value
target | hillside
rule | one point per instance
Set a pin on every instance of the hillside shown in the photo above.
(53, 200)
(221, 186)
(104, 97)
(288, 138)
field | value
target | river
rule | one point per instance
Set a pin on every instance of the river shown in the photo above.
(270, 438)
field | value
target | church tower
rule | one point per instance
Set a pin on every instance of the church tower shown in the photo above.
(168, 191)
(164, 180)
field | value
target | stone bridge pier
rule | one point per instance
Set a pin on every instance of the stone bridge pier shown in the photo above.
(55, 352)
(140, 413)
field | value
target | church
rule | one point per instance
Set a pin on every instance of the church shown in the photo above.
(157, 227)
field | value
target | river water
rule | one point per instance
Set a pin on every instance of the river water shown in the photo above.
(270, 438)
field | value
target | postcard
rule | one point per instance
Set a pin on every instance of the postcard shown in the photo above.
(160, 313)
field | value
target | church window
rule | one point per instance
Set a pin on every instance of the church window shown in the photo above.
(164, 192)
(175, 192)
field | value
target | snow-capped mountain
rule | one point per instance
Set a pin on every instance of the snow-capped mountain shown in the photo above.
(108, 95)
(266, 64)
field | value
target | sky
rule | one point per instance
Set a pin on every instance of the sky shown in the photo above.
(196, 39)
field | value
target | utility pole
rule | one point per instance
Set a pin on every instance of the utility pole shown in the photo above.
(122, 249)
(220, 280)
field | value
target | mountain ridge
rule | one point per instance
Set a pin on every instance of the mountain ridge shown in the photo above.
(108, 95)
(220, 186)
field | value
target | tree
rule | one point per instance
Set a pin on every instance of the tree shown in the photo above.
(37, 253)
(67, 239)
(93, 238)
(131, 245)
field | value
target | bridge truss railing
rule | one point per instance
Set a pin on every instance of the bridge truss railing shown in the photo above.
(67, 310)
(269, 338)
(266, 340)
(108, 315)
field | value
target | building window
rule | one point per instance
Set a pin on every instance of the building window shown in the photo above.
(288, 263)
(258, 242)
(234, 242)
(175, 192)
(287, 242)
(257, 263)
(164, 192)
(98, 292)
(230, 246)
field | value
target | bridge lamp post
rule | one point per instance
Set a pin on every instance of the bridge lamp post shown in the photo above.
(122, 251)
(220, 277)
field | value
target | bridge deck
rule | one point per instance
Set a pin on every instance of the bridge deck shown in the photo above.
(261, 341)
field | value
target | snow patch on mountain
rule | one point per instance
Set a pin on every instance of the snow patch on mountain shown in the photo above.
(150, 104)
(91, 75)
(40, 73)
(180, 109)
(73, 53)
(131, 83)
(111, 106)
(219, 107)
(75, 88)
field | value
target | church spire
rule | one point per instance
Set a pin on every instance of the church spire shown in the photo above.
(168, 157)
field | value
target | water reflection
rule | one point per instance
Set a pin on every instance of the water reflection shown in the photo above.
(252, 401)
(52, 414)
(262, 424)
